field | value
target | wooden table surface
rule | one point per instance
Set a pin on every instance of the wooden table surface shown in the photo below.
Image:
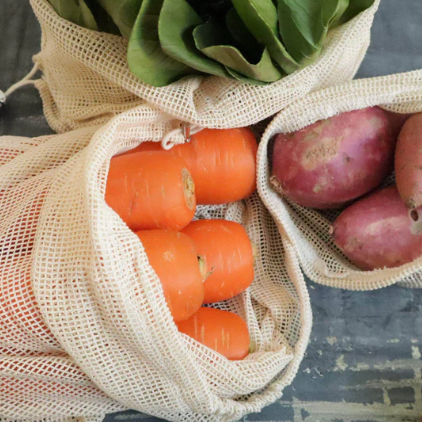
(364, 362)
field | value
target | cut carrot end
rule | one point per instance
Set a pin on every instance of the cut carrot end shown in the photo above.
(203, 267)
(189, 189)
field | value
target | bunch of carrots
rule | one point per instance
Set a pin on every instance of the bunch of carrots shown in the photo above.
(155, 192)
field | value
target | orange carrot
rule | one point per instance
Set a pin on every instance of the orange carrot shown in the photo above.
(173, 257)
(228, 253)
(145, 147)
(222, 331)
(151, 190)
(222, 163)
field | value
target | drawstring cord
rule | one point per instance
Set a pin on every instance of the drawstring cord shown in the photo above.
(176, 136)
(27, 80)
(184, 132)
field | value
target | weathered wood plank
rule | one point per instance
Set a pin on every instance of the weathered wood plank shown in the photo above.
(364, 360)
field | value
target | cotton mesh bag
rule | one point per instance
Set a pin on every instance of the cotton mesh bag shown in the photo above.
(85, 327)
(308, 230)
(86, 79)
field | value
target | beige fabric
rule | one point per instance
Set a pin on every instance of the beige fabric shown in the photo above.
(103, 314)
(307, 229)
(86, 79)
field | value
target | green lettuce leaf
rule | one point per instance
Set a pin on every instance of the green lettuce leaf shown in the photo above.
(304, 25)
(123, 13)
(145, 56)
(355, 7)
(175, 28)
(241, 35)
(104, 21)
(260, 17)
(243, 79)
(213, 41)
(75, 11)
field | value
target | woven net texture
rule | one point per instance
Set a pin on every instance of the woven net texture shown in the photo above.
(308, 230)
(86, 79)
(85, 329)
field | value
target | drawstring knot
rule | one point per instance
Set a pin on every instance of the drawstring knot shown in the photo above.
(180, 135)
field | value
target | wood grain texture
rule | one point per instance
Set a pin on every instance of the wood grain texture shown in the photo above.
(364, 360)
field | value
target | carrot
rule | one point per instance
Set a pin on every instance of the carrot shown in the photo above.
(145, 147)
(228, 254)
(151, 190)
(222, 163)
(222, 331)
(173, 257)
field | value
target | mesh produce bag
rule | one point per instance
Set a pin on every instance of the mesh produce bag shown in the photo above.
(309, 230)
(85, 329)
(86, 79)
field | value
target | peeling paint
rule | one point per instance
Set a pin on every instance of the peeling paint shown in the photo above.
(416, 353)
(340, 364)
(385, 396)
(332, 340)
(386, 411)
(350, 412)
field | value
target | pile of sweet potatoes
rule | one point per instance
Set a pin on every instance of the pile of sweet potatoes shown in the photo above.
(155, 192)
(338, 163)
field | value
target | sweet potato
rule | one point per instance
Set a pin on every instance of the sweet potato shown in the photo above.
(379, 231)
(174, 258)
(334, 161)
(408, 162)
(222, 331)
(397, 121)
(151, 190)
(228, 253)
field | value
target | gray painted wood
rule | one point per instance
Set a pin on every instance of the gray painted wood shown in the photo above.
(364, 362)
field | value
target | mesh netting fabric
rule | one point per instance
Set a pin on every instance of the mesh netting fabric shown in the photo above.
(85, 327)
(86, 79)
(307, 229)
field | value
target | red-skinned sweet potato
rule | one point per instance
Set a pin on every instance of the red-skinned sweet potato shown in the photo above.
(379, 231)
(408, 162)
(397, 121)
(334, 161)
